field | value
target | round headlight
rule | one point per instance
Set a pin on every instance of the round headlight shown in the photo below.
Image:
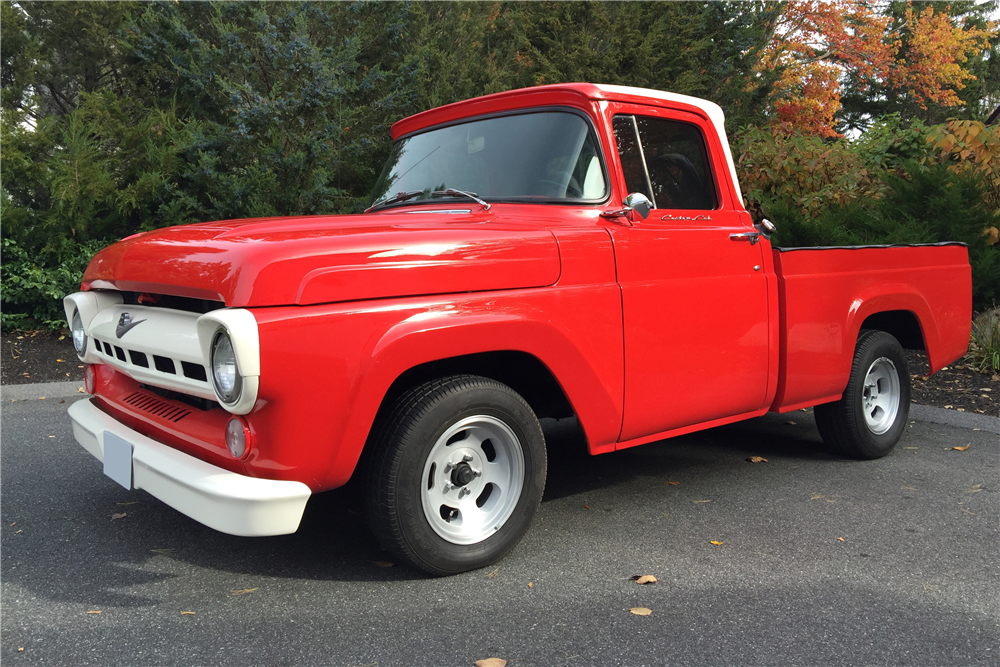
(79, 337)
(228, 383)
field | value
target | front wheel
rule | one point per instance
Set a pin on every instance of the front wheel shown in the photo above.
(458, 474)
(870, 417)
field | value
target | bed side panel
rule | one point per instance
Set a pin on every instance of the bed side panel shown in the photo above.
(825, 294)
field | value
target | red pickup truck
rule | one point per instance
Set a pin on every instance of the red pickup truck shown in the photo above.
(567, 250)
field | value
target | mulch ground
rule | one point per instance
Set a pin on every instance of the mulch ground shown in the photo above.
(41, 356)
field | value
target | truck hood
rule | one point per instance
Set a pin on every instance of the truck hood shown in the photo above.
(325, 259)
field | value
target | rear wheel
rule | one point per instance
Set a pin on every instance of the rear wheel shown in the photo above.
(458, 473)
(870, 417)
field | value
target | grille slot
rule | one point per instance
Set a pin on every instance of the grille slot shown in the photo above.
(164, 364)
(194, 371)
(138, 358)
(156, 407)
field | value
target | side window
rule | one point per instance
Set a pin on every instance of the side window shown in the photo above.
(668, 162)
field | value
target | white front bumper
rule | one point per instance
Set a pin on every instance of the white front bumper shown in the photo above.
(223, 500)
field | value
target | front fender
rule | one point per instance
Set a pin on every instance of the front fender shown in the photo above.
(317, 430)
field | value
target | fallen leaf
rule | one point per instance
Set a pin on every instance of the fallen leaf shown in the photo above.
(985, 389)
(383, 563)
(98, 611)
(968, 512)
(531, 584)
(20, 649)
(59, 361)
(118, 516)
(665, 515)
(586, 507)
(127, 502)
(491, 662)
(716, 543)
(701, 501)
(959, 409)
(14, 523)
(790, 423)
(644, 579)
(187, 613)
(41, 398)
(161, 551)
(908, 488)
(924, 378)
(975, 489)
(18, 531)
(62, 337)
(244, 591)
(817, 496)
(757, 459)
(641, 611)
(909, 448)
(673, 483)
(963, 448)
(948, 407)
(840, 539)
(80, 390)
(493, 573)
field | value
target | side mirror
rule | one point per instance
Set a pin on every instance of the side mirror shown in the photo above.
(637, 203)
(765, 227)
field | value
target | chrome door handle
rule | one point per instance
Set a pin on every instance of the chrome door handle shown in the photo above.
(752, 237)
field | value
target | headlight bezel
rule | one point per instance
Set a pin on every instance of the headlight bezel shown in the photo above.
(233, 396)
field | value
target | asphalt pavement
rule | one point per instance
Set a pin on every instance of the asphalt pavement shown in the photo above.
(820, 561)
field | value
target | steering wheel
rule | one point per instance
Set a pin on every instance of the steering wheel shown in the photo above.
(688, 192)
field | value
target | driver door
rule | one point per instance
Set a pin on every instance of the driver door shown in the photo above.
(694, 291)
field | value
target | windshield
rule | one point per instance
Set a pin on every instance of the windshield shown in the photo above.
(526, 157)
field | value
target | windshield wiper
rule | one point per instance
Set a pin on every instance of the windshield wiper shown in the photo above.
(398, 197)
(452, 192)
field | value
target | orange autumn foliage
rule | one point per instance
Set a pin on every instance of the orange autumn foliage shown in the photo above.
(817, 43)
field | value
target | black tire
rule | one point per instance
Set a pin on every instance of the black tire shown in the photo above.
(858, 425)
(421, 489)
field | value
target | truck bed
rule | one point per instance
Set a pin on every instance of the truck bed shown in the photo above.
(827, 293)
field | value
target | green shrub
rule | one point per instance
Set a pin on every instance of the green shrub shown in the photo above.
(34, 284)
(920, 204)
(985, 346)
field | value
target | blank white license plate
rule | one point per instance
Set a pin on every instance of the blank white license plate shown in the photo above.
(118, 459)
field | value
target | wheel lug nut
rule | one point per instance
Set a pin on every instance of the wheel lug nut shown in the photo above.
(467, 458)
(463, 493)
(477, 473)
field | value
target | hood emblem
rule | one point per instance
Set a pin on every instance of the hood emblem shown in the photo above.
(125, 324)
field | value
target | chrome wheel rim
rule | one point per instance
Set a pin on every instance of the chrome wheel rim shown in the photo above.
(472, 479)
(880, 396)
